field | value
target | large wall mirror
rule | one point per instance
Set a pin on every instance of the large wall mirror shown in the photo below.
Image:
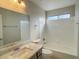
(13, 27)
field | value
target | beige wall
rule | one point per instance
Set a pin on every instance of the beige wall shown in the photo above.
(60, 33)
(11, 25)
(37, 20)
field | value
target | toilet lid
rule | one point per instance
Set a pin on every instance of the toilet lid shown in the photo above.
(46, 51)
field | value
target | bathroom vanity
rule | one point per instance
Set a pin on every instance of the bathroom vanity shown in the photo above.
(25, 51)
(37, 55)
(15, 27)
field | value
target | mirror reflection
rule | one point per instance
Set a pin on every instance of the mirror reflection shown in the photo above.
(13, 27)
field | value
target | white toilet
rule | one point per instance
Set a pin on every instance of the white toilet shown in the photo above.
(47, 54)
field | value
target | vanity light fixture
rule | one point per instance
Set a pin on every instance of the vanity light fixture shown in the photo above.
(19, 1)
(13, 1)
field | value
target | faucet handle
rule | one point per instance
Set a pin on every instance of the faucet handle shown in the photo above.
(44, 39)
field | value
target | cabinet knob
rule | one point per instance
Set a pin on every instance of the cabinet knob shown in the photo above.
(0, 39)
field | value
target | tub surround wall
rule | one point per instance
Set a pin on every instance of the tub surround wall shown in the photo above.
(59, 55)
(60, 33)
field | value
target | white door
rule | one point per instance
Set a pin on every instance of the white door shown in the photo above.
(1, 31)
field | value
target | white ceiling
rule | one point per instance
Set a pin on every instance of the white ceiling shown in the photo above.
(53, 4)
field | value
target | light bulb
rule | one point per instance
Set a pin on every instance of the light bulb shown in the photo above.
(23, 4)
(14, 1)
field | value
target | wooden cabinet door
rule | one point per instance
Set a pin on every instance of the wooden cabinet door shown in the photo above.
(40, 57)
(33, 57)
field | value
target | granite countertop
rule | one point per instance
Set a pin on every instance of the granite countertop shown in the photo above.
(25, 51)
